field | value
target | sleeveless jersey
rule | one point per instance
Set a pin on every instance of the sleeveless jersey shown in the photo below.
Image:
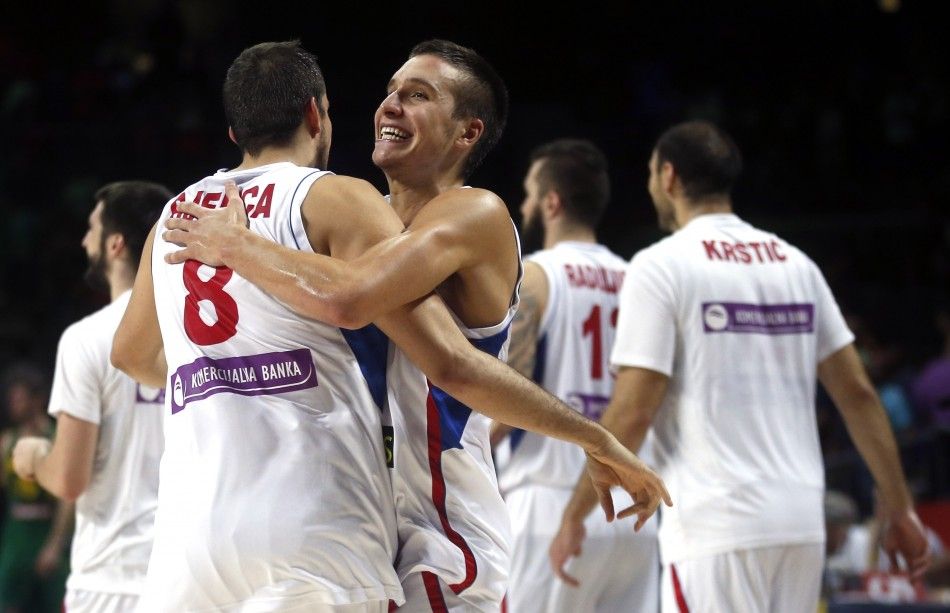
(574, 339)
(451, 517)
(274, 491)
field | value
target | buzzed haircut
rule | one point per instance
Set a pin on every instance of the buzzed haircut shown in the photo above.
(577, 170)
(266, 92)
(482, 95)
(705, 158)
(131, 208)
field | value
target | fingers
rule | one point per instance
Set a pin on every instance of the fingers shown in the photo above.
(178, 257)
(190, 208)
(606, 500)
(175, 223)
(895, 567)
(237, 212)
(558, 561)
(178, 237)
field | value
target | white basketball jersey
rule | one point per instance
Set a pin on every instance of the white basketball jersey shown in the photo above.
(115, 515)
(452, 519)
(739, 320)
(572, 358)
(274, 491)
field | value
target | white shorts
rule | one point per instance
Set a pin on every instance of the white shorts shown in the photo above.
(779, 579)
(426, 592)
(618, 569)
(84, 601)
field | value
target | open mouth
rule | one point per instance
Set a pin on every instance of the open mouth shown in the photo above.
(390, 133)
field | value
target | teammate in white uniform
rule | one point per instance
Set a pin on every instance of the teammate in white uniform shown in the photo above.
(108, 439)
(562, 337)
(722, 329)
(286, 503)
(445, 109)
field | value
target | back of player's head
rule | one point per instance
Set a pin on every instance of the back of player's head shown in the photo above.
(131, 208)
(577, 170)
(266, 93)
(705, 158)
(482, 94)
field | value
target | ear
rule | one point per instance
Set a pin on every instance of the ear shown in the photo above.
(472, 131)
(551, 205)
(115, 244)
(668, 177)
(231, 135)
(313, 117)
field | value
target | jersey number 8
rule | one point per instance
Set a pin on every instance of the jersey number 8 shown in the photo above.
(212, 290)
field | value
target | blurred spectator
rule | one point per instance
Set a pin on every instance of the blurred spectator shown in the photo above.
(35, 528)
(931, 388)
(854, 551)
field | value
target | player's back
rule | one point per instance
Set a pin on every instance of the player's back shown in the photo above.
(274, 489)
(115, 514)
(736, 438)
(575, 335)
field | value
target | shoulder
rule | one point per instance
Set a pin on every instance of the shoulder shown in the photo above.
(340, 188)
(471, 202)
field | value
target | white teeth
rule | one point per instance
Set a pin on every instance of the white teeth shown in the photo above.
(391, 133)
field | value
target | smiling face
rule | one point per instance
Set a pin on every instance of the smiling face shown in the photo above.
(415, 127)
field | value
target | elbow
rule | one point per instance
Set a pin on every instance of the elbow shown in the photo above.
(453, 372)
(69, 487)
(343, 308)
(121, 356)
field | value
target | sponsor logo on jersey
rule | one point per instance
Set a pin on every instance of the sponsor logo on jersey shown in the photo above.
(590, 406)
(758, 318)
(253, 375)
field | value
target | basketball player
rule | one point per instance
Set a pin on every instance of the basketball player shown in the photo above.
(562, 337)
(287, 502)
(108, 441)
(444, 110)
(722, 329)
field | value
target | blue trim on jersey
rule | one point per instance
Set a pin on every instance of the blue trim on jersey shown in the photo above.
(371, 348)
(453, 415)
(293, 234)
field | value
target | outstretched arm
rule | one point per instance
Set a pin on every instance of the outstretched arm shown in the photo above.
(846, 381)
(351, 293)
(137, 348)
(638, 393)
(429, 337)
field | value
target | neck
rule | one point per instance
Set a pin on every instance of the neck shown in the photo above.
(408, 198)
(121, 278)
(300, 153)
(687, 211)
(576, 233)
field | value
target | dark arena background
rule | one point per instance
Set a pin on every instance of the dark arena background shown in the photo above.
(841, 110)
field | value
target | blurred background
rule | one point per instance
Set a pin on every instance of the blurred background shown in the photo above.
(841, 109)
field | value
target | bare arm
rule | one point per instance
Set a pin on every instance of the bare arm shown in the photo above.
(524, 333)
(430, 338)
(351, 293)
(51, 554)
(638, 394)
(63, 467)
(137, 348)
(846, 381)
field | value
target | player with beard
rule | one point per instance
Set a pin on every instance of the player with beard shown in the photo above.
(444, 110)
(561, 337)
(108, 441)
(721, 332)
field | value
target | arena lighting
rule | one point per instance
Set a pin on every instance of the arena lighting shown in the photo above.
(889, 6)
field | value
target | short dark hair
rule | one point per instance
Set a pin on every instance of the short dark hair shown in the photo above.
(577, 170)
(483, 94)
(266, 93)
(131, 208)
(705, 158)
